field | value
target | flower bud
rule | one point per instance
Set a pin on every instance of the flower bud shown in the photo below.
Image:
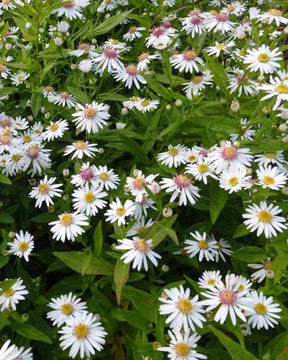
(283, 127)
(65, 197)
(58, 41)
(178, 103)
(28, 25)
(120, 125)
(11, 234)
(51, 209)
(165, 268)
(235, 105)
(167, 212)
(124, 111)
(168, 107)
(155, 188)
(270, 274)
(47, 115)
(25, 317)
(65, 172)
(266, 110)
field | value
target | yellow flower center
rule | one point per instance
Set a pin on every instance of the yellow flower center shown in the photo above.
(43, 188)
(202, 168)
(9, 292)
(138, 183)
(260, 309)
(67, 309)
(103, 176)
(90, 112)
(89, 197)
(267, 265)
(27, 138)
(202, 244)
(23, 246)
(66, 219)
(197, 79)
(265, 216)
(81, 331)
(233, 181)
(6, 2)
(271, 155)
(141, 245)
(173, 151)
(54, 127)
(242, 52)
(211, 282)
(282, 89)
(192, 157)
(132, 29)
(220, 46)
(275, 12)
(182, 349)
(184, 305)
(268, 180)
(263, 58)
(2, 68)
(5, 139)
(145, 102)
(120, 211)
(16, 157)
(143, 56)
(80, 145)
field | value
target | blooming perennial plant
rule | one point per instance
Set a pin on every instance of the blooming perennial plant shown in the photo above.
(143, 179)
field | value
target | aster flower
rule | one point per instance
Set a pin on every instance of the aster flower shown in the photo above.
(38, 158)
(106, 179)
(219, 22)
(138, 250)
(201, 170)
(133, 33)
(55, 130)
(182, 310)
(273, 158)
(233, 180)
(144, 59)
(263, 270)
(22, 245)
(239, 81)
(271, 177)
(187, 62)
(263, 59)
(193, 24)
(160, 37)
(174, 156)
(45, 191)
(19, 78)
(22, 353)
(7, 351)
(108, 59)
(118, 211)
(80, 148)
(209, 278)
(201, 246)
(89, 200)
(11, 296)
(72, 9)
(220, 48)
(197, 84)
(223, 247)
(136, 184)
(274, 15)
(83, 49)
(265, 219)
(247, 132)
(130, 75)
(277, 88)
(63, 99)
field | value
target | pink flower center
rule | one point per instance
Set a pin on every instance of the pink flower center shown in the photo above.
(227, 297)
(241, 78)
(33, 152)
(131, 70)
(166, 24)
(84, 47)
(182, 181)
(141, 245)
(87, 174)
(195, 20)
(110, 53)
(5, 122)
(222, 17)
(229, 153)
(195, 12)
(90, 112)
(5, 140)
(64, 95)
(158, 31)
(189, 55)
(69, 5)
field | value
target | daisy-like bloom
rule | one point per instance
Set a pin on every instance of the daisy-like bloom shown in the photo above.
(91, 117)
(265, 219)
(108, 5)
(139, 226)
(235, 8)
(182, 346)
(273, 158)
(9, 4)
(145, 105)
(87, 175)
(11, 296)
(181, 185)
(130, 75)
(197, 84)
(274, 15)
(22, 245)
(45, 191)
(89, 200)
(222, 248)
(201, 170)
(85, 65)
(229, 156)
(38, 158)
(84, 333)
(108, 59)
(7, 141)
(220, 48)
(83, 49)
(174, 156)
(68, 226)
(138, 250)
(72, 9)
(80, 148)
(194, 23)
(142, 207)
(262, 311)
(118, 211)
(264, 270)
(219, 22)
(16, 161)
(63, 98)
(20, 123)
(136, 184)
(263, 59)
(48, 91)
(277, 88)
(202, 246)
(144, 60)
(133, 33)
(106, 179)
(160, 37)
(247, 132)
(182, 310)
(4, 71)
(55, 130)
(271, 177)
(7, 351)
(209, 278)
(187, 61)
(233, 180)
(19, 78)
(239, 81)
(64, 308)
(22, 354)
(230, 299)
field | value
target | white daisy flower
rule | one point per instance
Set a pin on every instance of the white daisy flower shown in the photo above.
(239, 81)
(37, 157)
(136, 184)
(106, 179)
(271, 177)
(182, 310)
(45, 191)
(265, 219)
(22, 353)
(277, 88)
(133, 33)
(247, 132)
(142, 207)
(145, 105)
(138, 250)
(223, 248)
(68, 226)
(174, 156)
(11, 296)
(187, 62)
(91, 117)
(194, 23)
(209, 278)
(72, 9)
(7, 351)
(19, 78)
(108, 59)
(48, 91)
(263, 312)
(201, 170)
(233, 180)
(230, 300)
(197, 84)
(161, 37)
(85, 65)
(22, 245)
(63, 99)
(55, 130)
(264, 270)
(274, 15)
(80, 148)
(220, 48)
(235, 8)
(118, 211)
(181, 185)
(89, 200)
(139, 226)
(219, 22)
(87, 175)
(130, 75)
(64, 308)
(144, 59)
(83, 49)
(16, 161)
(263, 59)
(182, 346)
(84, 333)
(273, 158)
(202, 246)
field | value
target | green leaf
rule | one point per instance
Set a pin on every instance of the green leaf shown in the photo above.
(218, 198)
(131, 317)
(121, 274)
(3, 318)
(79, 94)
(36, 101)
(85, 262)
(7, 91)
(5, 180)
(108, 24)
(236, 351)
(249, 254)
(241, 231)
(277, 347)
(43, 218)
(280, 264)
(219, 74)
(134, 148)
(29, 331)
(98, 239)
(160, 230)
(5, 218)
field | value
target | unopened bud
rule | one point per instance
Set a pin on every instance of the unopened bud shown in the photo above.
(165, 268)
(178, 103)
(235, 105)
(167, 212)
(65, 172)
